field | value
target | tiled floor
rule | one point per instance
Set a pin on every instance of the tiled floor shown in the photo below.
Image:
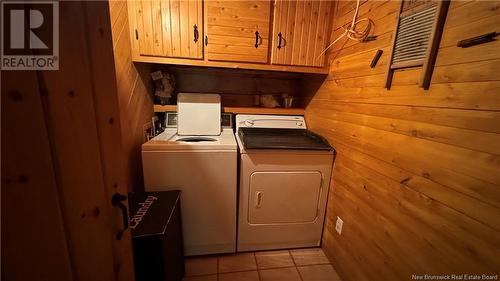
(287, 265)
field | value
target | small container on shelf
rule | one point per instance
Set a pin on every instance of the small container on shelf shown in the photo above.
(287, 101)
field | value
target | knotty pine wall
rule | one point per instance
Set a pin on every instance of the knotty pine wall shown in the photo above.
(417, 175)
(136, 104)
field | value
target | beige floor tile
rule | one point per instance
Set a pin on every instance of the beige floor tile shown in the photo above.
(201, 278)
(201, 266)
(280, 274)
(237, 262)
(273, 259)
(309, 256)
(324, 272)
(239, 276)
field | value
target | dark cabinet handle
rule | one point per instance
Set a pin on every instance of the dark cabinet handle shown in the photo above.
(376, 58)
(280, 38)
(206, 40)
(116, 201)
(485, 38)
(196, 33)
(257, 39)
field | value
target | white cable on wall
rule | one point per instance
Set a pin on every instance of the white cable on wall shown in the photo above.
(350, 32)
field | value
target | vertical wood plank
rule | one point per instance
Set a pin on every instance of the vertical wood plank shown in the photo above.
(186, 31)
(306, 32)
(292, 15)
(133, 26)
(193, 20)
(322, 35)
(311, 44)
(201, 27)
(175, 22)
(285, 6)
(147, 39)
(275, 52)
(299, 30)
(142, 42)
(156, 19)
(319, 31)
(166, 27)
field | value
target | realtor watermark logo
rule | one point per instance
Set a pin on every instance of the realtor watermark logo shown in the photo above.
(29, 35)
(458, 276)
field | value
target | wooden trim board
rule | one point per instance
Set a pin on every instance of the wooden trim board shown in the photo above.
(233, 65)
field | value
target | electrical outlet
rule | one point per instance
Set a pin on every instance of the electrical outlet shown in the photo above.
(338, 225)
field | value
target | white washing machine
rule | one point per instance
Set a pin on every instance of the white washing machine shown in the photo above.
(284, 180)
(203, 167)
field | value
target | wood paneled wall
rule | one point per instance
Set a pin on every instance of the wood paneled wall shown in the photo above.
(417, 175)
(135, 101)
(237, 87)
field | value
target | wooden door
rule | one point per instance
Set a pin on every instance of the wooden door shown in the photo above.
(168, 28)
(33, 235)
(238, 30)
(300, 32)
(62, 160)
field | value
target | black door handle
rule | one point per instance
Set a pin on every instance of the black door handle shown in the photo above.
(485, 38)
(280, 38)
(196, 34)
(116, 201)
(256, 39)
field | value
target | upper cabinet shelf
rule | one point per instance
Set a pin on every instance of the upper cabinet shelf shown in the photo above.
(278, 35)
(242, 110)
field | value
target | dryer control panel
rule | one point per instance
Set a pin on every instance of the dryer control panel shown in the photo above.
(271, 121)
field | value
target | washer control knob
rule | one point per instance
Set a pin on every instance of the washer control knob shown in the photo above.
(249, 123)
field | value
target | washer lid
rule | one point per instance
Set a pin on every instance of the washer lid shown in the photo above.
(198, 114)
(169, 140)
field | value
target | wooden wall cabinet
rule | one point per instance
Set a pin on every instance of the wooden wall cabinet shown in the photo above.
(300, 32)
(238, 30)
(231, 34)
(167, 28)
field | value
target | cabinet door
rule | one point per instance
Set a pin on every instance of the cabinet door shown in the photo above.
(238, 30)
(281, 197)
(169, 28)
(300, 32)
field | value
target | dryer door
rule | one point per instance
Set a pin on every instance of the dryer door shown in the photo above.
(284, 197)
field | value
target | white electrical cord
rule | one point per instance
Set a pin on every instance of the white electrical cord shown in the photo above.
(351, 32)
